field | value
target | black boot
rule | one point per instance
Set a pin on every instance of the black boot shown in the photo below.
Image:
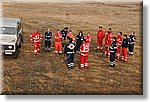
(114, 65)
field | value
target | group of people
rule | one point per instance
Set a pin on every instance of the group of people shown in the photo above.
(66, 42)
(113, 45)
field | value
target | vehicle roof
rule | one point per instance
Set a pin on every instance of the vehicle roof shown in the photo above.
(9, 22)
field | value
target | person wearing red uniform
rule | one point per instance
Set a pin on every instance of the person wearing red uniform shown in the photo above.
(88, 38)
(125, 44)
(58, 42)
(100, 37)
(84, 51)
(70, 35)
(108, 41)
(119, 42)
(35, 38)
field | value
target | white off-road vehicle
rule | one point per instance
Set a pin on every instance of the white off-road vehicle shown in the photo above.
(11, 36)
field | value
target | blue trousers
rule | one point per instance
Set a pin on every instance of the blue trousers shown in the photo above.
(131, 47)
(112, 58)
(70, 60)
(47, 45)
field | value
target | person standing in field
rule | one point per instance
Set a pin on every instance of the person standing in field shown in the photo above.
(79, 39)
(100, 37)
(69, 50)
(125, 44)
(108, 41)
(35, 37)
(64, 33)
(131, 43)
(70, 35)
(58, 42)
(89, 38)
(84, 51)
(48, 36)
(119, 42)
(113, 48)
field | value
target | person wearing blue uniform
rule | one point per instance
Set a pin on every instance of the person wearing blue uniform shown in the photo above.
(131, 39)
(79, 40)
(69, 50)
(64, 33)
(48, 36)
(113, 49)
(125, 45)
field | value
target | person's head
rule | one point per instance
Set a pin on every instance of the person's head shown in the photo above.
(70, 31)
(132, 33)
(69, 40)
(100, 28)
(80, 33)
(120, 33)
(48, 30)
(109, 29)
(106, 32)
(114, 38)
(35, 31)
(66, 28)
(125, 36)
(58, 30)
(88, 33)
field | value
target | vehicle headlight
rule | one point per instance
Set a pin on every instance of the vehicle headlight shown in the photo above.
(10, 47)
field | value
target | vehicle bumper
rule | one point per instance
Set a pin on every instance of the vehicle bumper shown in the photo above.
(8, 52)
(5, 50)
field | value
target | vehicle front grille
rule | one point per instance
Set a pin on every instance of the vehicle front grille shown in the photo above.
(6, 47)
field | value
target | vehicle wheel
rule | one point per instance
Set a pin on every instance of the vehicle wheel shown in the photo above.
(15, 56)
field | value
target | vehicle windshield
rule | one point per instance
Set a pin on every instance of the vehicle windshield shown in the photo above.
(8, 30)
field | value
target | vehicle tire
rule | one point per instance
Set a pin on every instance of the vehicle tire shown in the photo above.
(15, 56)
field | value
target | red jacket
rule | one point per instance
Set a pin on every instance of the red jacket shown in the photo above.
(84, 49)
(109, 38)
(58, 37)
(88, 38)
(35, 37)
(100, 34)
(119, 40)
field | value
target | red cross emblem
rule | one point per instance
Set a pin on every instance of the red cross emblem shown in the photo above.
(71, 46)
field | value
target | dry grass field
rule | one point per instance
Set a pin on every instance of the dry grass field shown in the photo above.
(45, 74)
